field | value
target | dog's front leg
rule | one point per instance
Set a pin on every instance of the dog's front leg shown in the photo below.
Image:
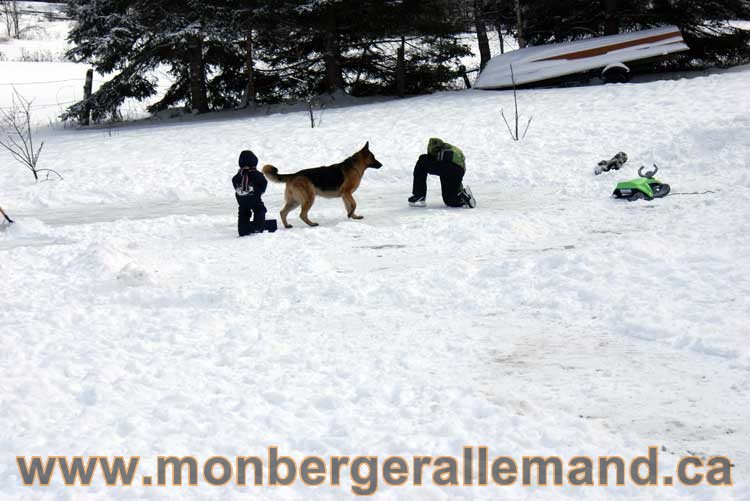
(351, 206)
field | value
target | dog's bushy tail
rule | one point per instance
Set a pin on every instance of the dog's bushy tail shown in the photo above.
(272, 173)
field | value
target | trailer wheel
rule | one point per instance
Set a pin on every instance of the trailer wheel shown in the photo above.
(616, 73)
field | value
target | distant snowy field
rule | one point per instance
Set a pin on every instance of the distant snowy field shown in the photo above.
(551, 320)
(43, 34)
(35, 65)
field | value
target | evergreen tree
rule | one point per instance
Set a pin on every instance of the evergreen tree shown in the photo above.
(705, 25)
(228, 53)
(132, 38)
(334, 45)
(104, 34)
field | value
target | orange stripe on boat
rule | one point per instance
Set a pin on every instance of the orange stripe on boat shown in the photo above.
(598, 51)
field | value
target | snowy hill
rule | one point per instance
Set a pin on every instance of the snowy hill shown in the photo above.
(550, 320)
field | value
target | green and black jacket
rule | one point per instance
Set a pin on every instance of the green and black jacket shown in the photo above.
(437, 148)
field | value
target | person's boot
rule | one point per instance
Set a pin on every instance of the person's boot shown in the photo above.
(417, 201)
(467, 197)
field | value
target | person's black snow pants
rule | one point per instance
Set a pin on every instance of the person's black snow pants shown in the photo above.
(250, 207)
(450, 174)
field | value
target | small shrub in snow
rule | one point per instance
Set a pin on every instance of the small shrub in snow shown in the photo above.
(17, 135)
(32, 32)
(40, 56)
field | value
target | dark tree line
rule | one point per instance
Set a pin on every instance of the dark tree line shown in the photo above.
(222, 54)
(233, 53)
(704, 23)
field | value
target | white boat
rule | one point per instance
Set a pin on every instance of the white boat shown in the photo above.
(609, 54)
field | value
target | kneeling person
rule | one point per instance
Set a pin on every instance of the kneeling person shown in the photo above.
(448, 162)
(249, 185)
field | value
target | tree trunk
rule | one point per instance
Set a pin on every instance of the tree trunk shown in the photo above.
(11, 15)
(519, 26)
(4, 12)
(499, 29)
(401, 69)
(16, 19)
(87, 88)
(332, 55)
(248, 95)
(611, 17)
(198, 96)
(484, 44)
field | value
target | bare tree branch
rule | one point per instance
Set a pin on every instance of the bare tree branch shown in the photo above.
(7, 218)
(17, 135)
(516, 136)
(528, 124)
(502, 114)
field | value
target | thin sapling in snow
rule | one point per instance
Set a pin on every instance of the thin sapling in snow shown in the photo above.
(17, 135)
(515, 134)
(7, 218)
(314, 104)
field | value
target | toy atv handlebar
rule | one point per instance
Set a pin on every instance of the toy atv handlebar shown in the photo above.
(649, 174)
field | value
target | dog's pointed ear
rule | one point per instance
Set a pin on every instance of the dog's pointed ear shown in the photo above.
(366, 146)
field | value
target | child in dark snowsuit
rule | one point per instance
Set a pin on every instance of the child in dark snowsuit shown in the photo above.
(448, 162)
(249, 186)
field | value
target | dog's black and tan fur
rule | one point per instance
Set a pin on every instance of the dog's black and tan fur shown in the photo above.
(331, 181)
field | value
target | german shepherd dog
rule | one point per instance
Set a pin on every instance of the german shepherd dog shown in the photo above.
(331, 181)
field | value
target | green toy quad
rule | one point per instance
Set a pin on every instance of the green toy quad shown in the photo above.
(645, 187)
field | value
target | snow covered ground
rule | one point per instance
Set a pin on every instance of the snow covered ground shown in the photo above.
(551, 320)
(43, 33)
